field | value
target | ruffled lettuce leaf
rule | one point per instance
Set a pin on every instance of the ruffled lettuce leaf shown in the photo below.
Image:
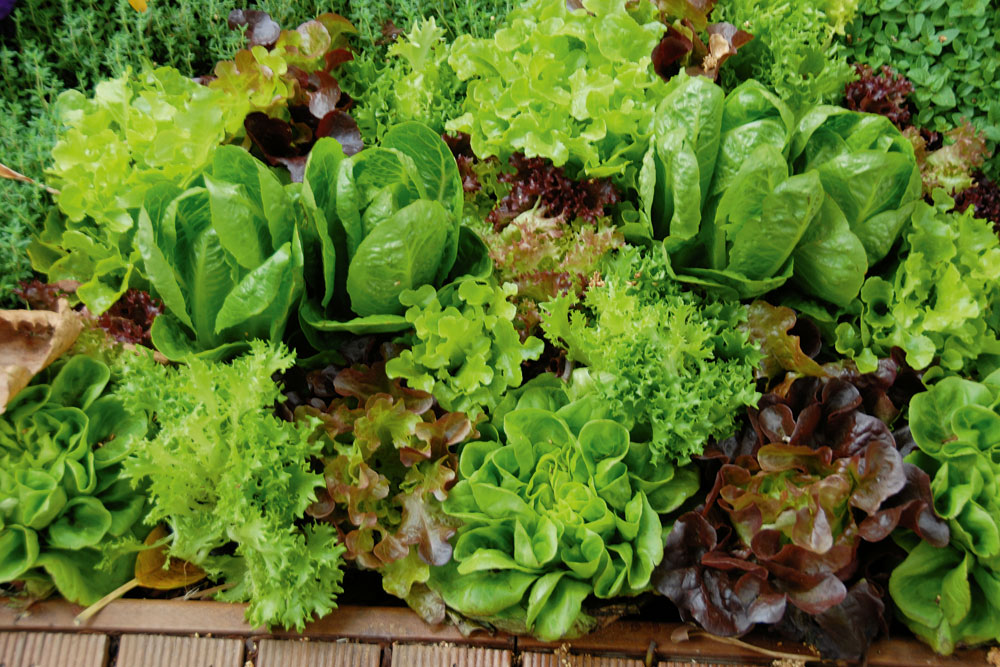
(233, 482)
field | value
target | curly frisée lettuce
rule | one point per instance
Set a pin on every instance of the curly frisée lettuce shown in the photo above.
(672, 366)
(233, 482)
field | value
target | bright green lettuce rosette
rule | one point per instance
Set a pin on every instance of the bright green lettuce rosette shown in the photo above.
(951, 596)
(567, 508)
(62, 498)
(939, 303)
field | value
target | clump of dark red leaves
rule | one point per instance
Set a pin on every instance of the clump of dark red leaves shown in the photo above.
(129, 320)
(984, 196)
(814, 477)
(319, 109)
(38, 295)
(882, 93)
(461, 147)
(536, 181)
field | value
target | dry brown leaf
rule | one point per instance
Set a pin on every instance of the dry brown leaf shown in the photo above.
(30, 340)
(7, 172)
(151, 573)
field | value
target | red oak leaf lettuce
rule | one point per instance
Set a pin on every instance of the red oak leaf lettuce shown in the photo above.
(814, 474)
(388, 465)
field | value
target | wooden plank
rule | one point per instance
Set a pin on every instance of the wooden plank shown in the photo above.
(284, 653)
(632, 638)
(364, 624)
(381, 625)
(562, 659)
(38, 649)
(165, 651)
(448, 655)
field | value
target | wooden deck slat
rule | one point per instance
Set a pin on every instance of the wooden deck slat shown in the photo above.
(44, 649)
(287, 653)
(443, 655)
(164, 651)
(386, 625)
(564, 660)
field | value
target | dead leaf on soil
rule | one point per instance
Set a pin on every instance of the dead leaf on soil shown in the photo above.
(149, 570)
(30, 340)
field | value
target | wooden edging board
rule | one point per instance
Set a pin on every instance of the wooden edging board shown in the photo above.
(386, 625)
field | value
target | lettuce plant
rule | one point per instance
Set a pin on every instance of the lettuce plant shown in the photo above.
(465, 349)
(281, 89)
(574, 85)
(794, 52)
(563, 508)
(673, 367)
(392, 217)
(63, 499)
(746, 199)
(233, 483)
(137, 131)
(414, 83)
(226, 259)
(816, 473)
(274, 71)
(546, 233)
(939, 302)
(388, 465)
(950, 596)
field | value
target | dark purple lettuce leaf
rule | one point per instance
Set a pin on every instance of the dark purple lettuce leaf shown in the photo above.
(672, 53)
(844, 631)
(130, 319)
(984, 197)
(728, 598)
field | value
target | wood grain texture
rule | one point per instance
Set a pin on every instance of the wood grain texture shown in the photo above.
(559, 659)
(448, 655)
(287, 653)
(163, 651)
(45, 649)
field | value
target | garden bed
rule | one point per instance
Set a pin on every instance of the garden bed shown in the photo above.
(538, 319)
(386, 626)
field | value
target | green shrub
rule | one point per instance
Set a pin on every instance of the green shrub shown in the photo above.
(947, 49)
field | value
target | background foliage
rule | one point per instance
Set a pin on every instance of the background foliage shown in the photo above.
(48, 46)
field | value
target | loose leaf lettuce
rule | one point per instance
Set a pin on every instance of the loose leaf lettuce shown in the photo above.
(816, 471)
(388, 465)
(572, 85)
(138, 131)
(415, 83)
(939, 302)
(465, 350)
